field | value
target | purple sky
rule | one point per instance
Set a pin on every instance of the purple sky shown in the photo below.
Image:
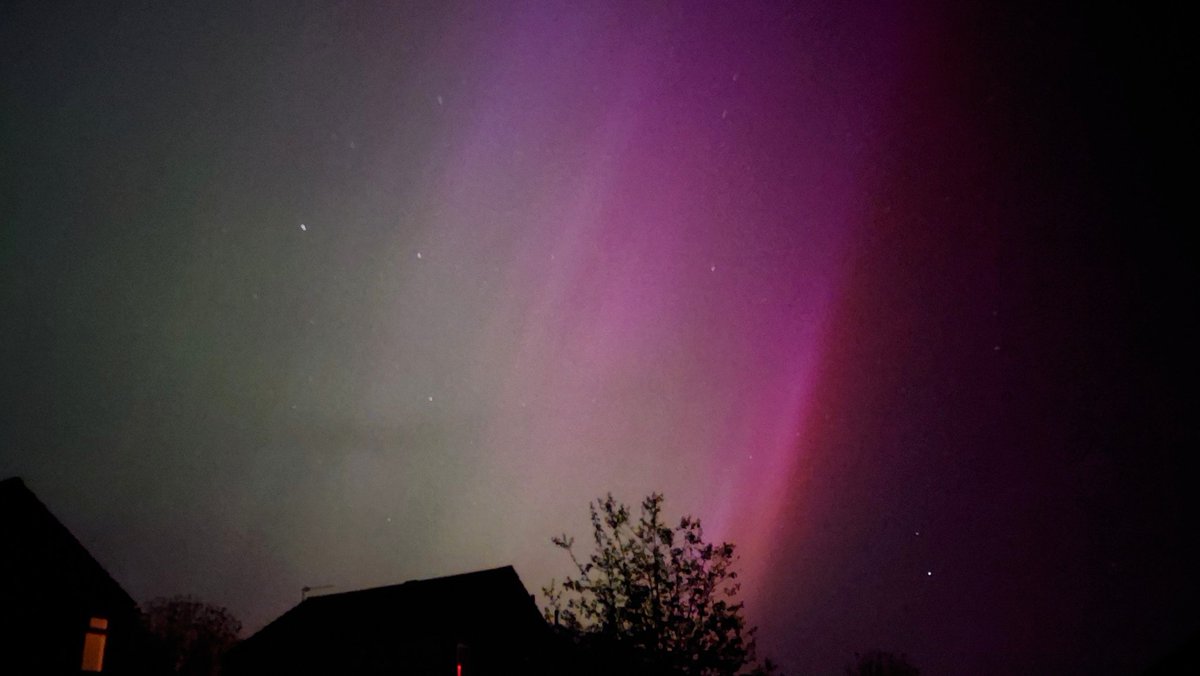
(322, 293)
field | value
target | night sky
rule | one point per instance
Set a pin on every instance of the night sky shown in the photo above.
(895, 296)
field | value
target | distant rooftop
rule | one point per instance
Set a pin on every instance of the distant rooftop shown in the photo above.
(416, 626)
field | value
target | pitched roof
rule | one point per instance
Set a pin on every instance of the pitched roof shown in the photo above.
(44, 557)
(415, 625)
(481, 600)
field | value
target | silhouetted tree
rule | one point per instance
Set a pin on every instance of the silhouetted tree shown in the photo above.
(879, 663)
(191, 635)
(661, 595)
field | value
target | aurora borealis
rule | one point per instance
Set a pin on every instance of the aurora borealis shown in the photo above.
(334, 293)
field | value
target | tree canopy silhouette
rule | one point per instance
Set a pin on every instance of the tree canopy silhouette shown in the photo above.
(879, 663)
(191, 635)
(661, 595)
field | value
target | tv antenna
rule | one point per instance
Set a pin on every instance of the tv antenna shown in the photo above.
(305, 590)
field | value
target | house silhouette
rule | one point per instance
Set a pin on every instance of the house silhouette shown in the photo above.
(60, 611)
(483, 623)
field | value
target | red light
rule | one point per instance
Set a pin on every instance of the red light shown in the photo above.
(459, 670)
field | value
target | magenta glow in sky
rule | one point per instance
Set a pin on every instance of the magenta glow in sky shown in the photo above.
(329, 293)
(433, 281)
(666, 202)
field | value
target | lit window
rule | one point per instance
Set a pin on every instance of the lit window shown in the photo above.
(93, 644)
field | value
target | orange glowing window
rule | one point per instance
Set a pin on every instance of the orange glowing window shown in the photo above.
(93, 645)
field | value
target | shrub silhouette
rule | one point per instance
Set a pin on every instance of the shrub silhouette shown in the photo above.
(661, 596)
